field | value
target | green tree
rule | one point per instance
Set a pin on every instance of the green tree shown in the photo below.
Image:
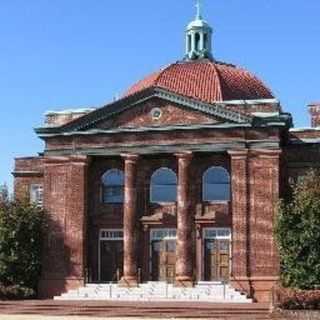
(298, 234)
(21, 226)
(4, 193)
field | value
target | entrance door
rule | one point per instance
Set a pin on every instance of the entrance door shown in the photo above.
(111, 260)
(217, 255)
(163, 260)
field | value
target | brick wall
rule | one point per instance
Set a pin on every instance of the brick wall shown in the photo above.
(170, 114)
(314, 110)
(27, 171)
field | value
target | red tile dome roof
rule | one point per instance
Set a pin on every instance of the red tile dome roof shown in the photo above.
(206, 81)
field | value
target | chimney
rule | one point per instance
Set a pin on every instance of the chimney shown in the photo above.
(314, 110)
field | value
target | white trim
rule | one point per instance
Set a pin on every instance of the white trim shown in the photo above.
(111, 234)
(304, 129)
(248, 102)
(225, 233)
(306, 140)
(143, 129)
(163, 234)
(265, 114)
(69, 111)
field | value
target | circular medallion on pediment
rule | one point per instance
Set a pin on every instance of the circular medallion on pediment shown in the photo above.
(156, 113)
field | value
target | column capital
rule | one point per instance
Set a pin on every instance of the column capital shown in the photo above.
(130, 157)
(188, 155)
(238, 153)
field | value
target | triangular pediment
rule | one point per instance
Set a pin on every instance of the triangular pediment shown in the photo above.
(157, 112)
(150, 108)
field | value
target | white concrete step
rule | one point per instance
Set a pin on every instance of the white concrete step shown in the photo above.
(157, 291)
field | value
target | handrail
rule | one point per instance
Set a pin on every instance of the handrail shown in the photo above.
(224, 289)
(139, 275)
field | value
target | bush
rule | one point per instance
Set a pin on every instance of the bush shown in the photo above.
(21, 226)
(298, 234)
(292, 299)
(16, 293)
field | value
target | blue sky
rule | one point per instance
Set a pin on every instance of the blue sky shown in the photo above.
(79, 53)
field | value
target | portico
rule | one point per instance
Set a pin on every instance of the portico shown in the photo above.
(174, 220)
(178, 238)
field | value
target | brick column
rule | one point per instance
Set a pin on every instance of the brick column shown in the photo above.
(184, 262)
(130, 277)
(65, 202)
(240, 214)
(264, 197)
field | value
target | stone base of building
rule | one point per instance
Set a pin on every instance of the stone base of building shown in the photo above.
(49, 288)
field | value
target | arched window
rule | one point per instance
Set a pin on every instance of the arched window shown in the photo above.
(163, 186)
(216, 184)
(113, 186)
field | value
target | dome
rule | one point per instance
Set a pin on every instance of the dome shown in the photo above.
(198, 23)
(207, 81)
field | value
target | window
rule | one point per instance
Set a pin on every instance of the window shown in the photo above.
(163, 186)
(216, 184)
(113, 186)
(197, 41)
(189, 42)
(36, 194)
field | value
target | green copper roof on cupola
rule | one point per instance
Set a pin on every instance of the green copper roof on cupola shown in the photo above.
(198, 37)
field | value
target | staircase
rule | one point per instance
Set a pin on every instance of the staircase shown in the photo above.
(138, 310)
(215, 292)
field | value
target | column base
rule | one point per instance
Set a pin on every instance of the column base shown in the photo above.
(128, 282)
(184, 281)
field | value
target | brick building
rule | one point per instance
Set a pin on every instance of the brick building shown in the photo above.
(176, 181)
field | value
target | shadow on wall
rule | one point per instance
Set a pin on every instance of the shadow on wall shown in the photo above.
(60, 268)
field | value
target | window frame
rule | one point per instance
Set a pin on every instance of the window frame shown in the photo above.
(34, 194)
(105, 186)
(204, 184)
(151, 187)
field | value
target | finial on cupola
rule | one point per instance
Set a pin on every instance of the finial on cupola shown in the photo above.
(198, 6)
(198, 37)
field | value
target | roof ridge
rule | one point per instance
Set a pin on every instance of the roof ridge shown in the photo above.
(217, 73)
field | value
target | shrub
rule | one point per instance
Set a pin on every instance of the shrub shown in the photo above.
(293, 299)
(21, 227)
(16, 292)
(298, 234)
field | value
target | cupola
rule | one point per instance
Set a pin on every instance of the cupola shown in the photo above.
(198, 37)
